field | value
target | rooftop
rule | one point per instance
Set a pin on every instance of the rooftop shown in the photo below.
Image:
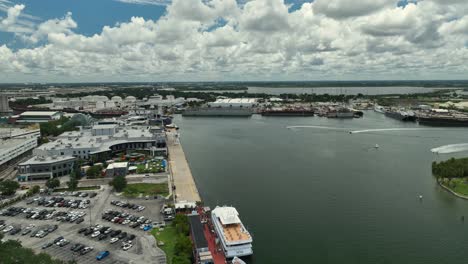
(85, 138)
(105, 126)
(227, 215)
(10, 143)
(46, 159)
(198, 235)
(39, 113)
(117, 165)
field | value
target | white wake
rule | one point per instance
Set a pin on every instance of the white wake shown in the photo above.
(452, 148)
(388, 129)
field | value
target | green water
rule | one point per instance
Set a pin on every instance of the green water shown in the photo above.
(323, 196)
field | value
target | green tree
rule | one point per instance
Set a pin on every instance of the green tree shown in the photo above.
(94, 171)
(73, 183)
(8, 187)
(53, 183)
(119, 183)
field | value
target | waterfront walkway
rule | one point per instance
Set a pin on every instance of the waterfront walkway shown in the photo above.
(182, 179)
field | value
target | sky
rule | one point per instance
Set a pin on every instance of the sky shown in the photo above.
(232, 40)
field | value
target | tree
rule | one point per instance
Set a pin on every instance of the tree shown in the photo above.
(53, 183)
(73, 183)
(93, 171)
(119, 183)
(8, 187)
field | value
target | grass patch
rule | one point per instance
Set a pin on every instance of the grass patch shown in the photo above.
(88, 188)
(169, 237)
(151, 189)
(458, 185)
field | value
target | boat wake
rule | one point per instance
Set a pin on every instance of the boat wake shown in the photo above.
(319, 127)
(388, 129)
(452, 148)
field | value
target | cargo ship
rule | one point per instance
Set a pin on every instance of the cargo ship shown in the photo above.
(343, 113)
(234, 238)
(401, 115)
(218, 111)
(448, 119)
(287, 112)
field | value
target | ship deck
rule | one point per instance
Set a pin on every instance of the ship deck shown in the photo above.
(234, 233)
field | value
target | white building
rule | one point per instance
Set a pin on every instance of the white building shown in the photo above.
(102, 139)
(15, 142)
(44, 168)
(12, 148)
(38, 117)
(117, 169)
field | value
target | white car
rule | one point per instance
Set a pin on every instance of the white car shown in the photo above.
(8, 229)
(125, 222)
(127, 246)
(114, 239)
(95, 234)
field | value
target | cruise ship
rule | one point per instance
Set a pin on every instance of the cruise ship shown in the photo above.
(235, 240)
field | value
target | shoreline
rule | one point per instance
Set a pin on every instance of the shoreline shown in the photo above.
(183, 186)
(452, 191)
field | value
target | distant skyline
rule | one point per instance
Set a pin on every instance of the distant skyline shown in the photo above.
(229, 40)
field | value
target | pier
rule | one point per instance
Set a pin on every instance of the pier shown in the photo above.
(181, 175)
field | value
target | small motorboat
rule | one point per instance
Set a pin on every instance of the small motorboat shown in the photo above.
(237, 260)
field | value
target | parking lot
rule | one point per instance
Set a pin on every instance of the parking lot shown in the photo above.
(87, 212)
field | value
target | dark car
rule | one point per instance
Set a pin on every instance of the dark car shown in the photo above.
(79, 220)
(52, 228)
(46, 245)
(122, 235)
(115, 233)
(131, 237)
(58, 239)
(102, 236)
(74, 247)
(88, 232)
(81, 247)
(15, 231)
(93, 194)
(33, 233)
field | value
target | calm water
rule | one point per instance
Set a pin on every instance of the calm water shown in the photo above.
(321, 196)
(344, 90)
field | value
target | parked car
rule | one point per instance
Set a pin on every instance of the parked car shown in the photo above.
(102, 255)
(48, 244)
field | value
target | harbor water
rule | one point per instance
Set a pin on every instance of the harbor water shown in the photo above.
(323, 195)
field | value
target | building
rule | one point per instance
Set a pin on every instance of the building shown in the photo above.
(117, 169)
(4, 107)
(15, 143)
(102, 141)
(37, 117)
(201, 251)
(45, 167)
(12, 148)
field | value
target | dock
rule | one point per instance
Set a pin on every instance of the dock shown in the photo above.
(182, 178)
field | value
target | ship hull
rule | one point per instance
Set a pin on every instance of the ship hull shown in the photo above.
(217, 112)
(287, 113)
(442, 122)
(399, 116)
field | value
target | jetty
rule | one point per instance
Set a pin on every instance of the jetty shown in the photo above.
(181, 175)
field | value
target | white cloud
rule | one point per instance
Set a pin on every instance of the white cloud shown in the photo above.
(257, 40)
(146, 2)
(349, 8)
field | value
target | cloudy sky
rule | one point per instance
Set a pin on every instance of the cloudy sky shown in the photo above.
(232, 40)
